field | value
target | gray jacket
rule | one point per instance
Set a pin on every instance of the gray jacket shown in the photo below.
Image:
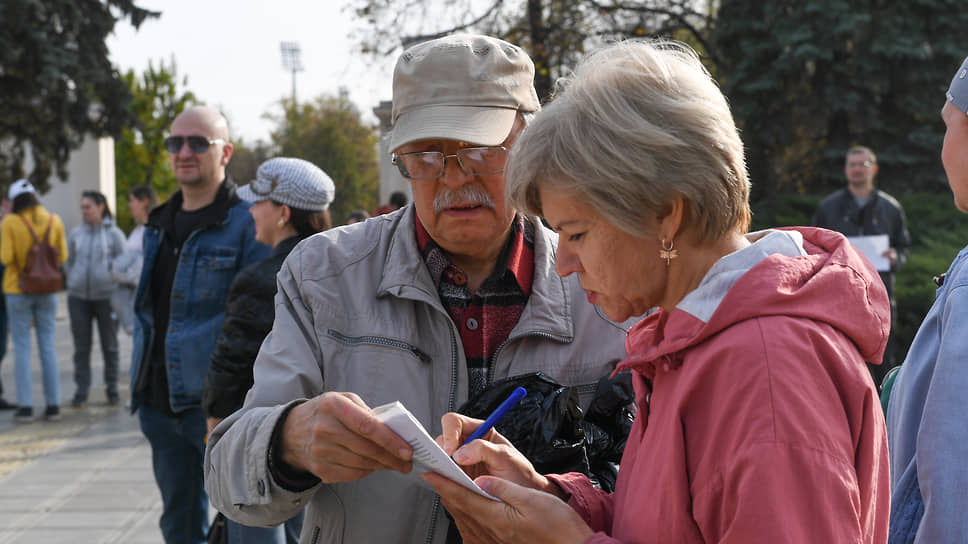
(90, 250)
(357, 311)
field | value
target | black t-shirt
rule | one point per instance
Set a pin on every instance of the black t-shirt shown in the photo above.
(173, 237)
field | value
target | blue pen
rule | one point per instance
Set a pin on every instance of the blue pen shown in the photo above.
(496, 416)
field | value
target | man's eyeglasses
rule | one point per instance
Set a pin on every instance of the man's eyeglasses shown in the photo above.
(865, 164)
(474, 161)
(197, 144)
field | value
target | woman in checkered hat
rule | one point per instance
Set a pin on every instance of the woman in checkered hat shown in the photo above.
(291, 200)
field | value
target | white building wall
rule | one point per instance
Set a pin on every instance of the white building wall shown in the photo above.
(390, 178)
(90, 168)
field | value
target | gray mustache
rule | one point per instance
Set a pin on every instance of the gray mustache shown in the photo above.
(467, 194)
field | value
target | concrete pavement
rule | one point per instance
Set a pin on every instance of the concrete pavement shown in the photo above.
(84, 479)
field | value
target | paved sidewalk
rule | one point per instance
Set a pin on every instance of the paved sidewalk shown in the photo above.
(84, 479)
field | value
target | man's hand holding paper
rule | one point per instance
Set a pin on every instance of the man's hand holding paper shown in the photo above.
(336, 437)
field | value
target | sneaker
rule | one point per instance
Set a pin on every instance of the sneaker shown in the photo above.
(4, 405)
(78, 401)
(52, 413)
(24, 414)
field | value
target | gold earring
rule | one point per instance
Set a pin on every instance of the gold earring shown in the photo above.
(667, 252)
(281, 223)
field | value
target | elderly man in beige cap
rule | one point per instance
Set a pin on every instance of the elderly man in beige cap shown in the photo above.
(427, 305)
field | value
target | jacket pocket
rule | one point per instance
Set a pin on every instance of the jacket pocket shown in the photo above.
(217, 258)
(215, 269)
(325, 518)
(379, 341)
(377, 368)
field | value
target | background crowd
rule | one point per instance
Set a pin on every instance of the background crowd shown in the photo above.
(263, 338)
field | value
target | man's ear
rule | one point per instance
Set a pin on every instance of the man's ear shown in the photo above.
(227, 149)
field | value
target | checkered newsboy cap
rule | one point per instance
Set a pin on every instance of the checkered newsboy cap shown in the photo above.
(294, 182)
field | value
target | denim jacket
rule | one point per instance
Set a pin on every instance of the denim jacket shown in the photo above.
(207, 263)
(926, 428)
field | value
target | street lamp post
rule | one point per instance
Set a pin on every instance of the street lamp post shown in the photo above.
(292, 62)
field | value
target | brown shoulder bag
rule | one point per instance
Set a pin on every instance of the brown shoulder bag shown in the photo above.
(41, 274)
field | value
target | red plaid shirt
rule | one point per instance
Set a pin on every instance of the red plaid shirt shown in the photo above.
(486, 316)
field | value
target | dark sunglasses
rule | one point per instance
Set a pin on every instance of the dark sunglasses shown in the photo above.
(197, 144)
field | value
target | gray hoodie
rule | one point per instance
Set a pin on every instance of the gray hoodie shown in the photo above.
(90, 249)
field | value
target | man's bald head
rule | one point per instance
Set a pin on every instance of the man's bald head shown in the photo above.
(210, 117)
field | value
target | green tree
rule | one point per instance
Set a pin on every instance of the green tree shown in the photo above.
(329, 133)
(808, 79)
(57, 82)
(554, 32)
(246, 160)
(139, 152)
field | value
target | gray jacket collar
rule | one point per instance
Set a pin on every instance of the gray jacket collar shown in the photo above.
(549, 308)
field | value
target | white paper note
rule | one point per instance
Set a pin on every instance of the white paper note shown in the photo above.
(873, 247)
(427, 455)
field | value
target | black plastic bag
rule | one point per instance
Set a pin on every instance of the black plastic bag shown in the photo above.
(549, 428)
(607, 424)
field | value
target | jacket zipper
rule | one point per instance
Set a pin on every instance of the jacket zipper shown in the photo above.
(451, 399)
(490, 365)
(380, 341)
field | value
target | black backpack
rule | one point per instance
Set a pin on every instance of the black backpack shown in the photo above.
(41, 274)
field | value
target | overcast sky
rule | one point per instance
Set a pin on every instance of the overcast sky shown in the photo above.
(230, 52)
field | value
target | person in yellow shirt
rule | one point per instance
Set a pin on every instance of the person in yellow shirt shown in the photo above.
(22, 308)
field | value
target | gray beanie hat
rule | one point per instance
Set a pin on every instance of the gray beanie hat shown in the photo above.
(294, 182)
(958, 90)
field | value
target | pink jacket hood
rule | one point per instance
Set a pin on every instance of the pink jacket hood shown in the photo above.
(803, 286)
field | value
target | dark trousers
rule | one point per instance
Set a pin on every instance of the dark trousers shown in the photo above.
(83, 313)
(177, 456)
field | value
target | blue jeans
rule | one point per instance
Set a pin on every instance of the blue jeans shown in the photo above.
(287, 533)
(83, 313)
(3, 327)
(41, 309)
(177, 453)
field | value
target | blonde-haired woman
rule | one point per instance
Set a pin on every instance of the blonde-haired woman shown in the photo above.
(757, 419)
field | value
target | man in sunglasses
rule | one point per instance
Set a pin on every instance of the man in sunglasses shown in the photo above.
(194, 244)
(428, 305)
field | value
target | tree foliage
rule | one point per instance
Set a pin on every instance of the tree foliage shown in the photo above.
(246, 159)
(139, 154)
(57, 82)
(554, 32)
(808, 79)
(329, 133)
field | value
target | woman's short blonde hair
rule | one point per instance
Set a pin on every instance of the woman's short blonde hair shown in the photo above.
(638, 123)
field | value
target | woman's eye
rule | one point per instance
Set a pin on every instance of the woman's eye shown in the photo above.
(576, 237)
